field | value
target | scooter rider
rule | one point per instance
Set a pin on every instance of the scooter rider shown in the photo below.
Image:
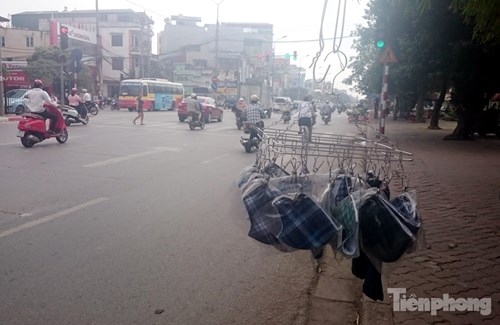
(75, 101)
(87, 99)
(194, 107)
(36, 98)
(253, 115)
(327, 110)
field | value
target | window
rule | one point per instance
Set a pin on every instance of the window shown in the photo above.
(117, 63)
(29, 41)
(2, 41)
(137, 61)
(135, 41)
(252, 42)
(117, 40)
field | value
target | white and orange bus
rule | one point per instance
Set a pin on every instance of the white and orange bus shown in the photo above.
(158, 94)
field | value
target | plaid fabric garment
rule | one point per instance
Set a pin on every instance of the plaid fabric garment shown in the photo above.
(245, 175)
(252, 114)
(343, 189)
(265, 222)
(347, 215)
(383, 234)
(305, 224)
(407, 212)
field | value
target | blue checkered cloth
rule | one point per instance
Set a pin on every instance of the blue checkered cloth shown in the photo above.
(344, 183)
(346, 214)
(245, 175)
(305, 224)
(265, 223)
(408, 212)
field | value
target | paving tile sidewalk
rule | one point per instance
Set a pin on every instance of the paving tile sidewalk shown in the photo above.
(458, 189)
(458, 196)
(10, 118)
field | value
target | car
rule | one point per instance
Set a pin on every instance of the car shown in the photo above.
(15, 101)
(208, 107)
(280, 103)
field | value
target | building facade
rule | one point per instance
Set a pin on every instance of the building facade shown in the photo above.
(121, 47)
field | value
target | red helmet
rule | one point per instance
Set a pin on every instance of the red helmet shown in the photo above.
(37, 83)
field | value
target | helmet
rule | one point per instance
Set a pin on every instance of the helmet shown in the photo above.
(37, 83)
(254, 98)
(194, 96)
(84, 90)
(241, 99)
(74, 90)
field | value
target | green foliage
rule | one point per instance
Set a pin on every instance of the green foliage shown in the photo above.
(483, 16)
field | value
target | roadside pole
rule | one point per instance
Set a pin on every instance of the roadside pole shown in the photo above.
(383, 113)
(386, 58)
(2, 99)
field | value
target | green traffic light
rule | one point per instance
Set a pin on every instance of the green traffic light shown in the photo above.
(380, 43)
(287, 56)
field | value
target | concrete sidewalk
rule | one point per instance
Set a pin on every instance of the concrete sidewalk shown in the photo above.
(458, 189)
(10, 118)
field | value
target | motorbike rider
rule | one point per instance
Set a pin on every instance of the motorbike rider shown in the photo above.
(36, 98)
(194, 107)
(239, 108)
(87, 99)
(75, 101)
(253, 115)
(306, 113)
(327, 110)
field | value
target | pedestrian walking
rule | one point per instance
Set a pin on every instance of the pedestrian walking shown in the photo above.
(140, 110)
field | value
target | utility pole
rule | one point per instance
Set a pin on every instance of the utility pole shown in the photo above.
(98, 57)
(2, 99)
(217, 40)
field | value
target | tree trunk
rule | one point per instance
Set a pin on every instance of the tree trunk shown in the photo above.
(434, 125)
(462, 131)
(419, 114)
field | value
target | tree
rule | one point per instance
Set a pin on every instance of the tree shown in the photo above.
(435, 49)
(45, 64)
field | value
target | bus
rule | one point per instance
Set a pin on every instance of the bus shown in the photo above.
(158, 94)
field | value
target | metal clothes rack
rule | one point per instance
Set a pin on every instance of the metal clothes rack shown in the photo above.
(290, 153)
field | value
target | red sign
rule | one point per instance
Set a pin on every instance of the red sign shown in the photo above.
(16, 79)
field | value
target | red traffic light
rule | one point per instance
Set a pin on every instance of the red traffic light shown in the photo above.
(63, 30)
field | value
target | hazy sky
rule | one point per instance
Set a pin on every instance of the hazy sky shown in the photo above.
(298, 20)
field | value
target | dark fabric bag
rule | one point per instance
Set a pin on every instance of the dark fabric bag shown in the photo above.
(383, 234)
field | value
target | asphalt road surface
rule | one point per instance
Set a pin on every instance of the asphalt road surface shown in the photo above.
(130, 224)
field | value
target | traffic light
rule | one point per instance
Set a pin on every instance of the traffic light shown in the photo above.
(287, 56)
(380, 38)
(268, 56)
(63, 37)
(295, 55)
(259, 56)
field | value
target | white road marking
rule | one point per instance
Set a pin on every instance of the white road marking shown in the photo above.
(51, 217)
(129, 157)
(215, 159)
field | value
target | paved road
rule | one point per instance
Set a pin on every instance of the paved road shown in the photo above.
(123, 220)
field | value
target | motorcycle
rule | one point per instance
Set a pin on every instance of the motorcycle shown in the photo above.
(239, 118)
(32, 129)
(196, 121)
(114, 104)
(326, 117)
(251, 143)
(92, 108)
(267, 112)
(286, 116)
(71, 115)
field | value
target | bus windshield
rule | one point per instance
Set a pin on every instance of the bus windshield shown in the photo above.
(130, 89)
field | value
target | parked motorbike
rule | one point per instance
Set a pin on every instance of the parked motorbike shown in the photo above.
(196, 121)
(286, 116)
(92, 107)
(251, 143)
(32, 129)
(326, 117)
(71, 116)
(114, 104)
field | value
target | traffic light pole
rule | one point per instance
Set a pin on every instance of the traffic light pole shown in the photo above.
(383, 96)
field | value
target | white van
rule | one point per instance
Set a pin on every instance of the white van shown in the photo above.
(282, 103)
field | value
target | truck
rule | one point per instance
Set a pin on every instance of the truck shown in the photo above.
(246, 90)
